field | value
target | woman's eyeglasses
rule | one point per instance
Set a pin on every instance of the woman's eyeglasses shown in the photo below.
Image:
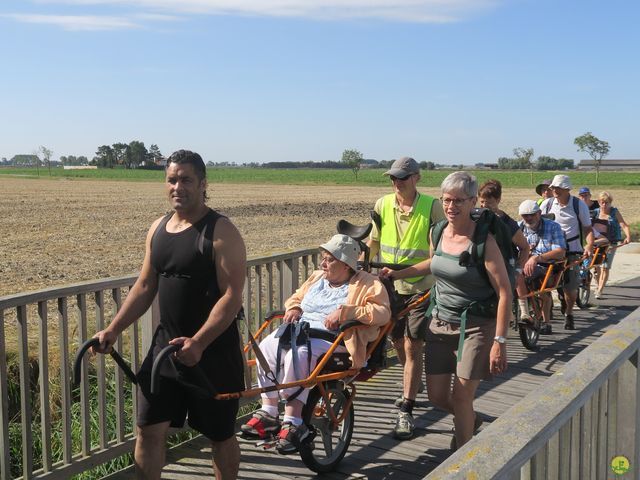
(455, 201)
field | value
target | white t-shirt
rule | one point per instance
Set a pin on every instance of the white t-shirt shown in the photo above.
(566, 217)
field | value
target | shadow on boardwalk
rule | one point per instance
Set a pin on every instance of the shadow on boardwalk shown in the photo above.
(375, 454)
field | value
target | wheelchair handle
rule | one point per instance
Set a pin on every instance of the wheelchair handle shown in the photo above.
(157, 364)
(94, 342)
(348, 324)
(392, 266)
(164, 355)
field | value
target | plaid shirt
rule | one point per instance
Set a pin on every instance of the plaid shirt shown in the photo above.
(548, 236)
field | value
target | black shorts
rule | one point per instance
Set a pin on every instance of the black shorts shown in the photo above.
(215, 419)
(415, 323)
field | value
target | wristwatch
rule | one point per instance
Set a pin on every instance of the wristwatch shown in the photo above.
(500, 339)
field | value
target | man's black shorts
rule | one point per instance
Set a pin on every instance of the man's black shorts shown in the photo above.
(215, 419)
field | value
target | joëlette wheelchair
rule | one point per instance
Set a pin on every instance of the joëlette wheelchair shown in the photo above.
(329, 410)
(529, 331)
(586, 272)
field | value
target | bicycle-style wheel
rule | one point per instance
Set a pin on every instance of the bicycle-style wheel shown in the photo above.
(330, 442)
(530, 331)
(584, 288)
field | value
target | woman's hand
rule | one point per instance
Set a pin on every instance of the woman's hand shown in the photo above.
(498, 358)
(332, 321)
(292, 315)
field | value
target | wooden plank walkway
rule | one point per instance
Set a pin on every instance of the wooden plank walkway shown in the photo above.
(374, 453)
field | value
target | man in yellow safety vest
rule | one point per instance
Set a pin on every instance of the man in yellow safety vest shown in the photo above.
(403, 237)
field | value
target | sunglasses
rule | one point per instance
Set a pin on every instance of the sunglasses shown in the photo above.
(398, 179)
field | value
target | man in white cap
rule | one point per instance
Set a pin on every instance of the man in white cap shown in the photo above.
(547, 244)
(403, 238)
(573, 216)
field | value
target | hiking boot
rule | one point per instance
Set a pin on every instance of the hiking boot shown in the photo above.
(398, 401)
(404, 426)
(291, 437)
(477, 423)
(545, 329)
(568, 323)
(261, 425)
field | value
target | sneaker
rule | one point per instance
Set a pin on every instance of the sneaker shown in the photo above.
(545, 329)
(398, 401)
(525, 319)
(598, 295)
(568, 323)
(291, 437)
(404, 426)
(261, 425)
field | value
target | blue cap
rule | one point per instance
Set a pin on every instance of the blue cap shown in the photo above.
(584, 190)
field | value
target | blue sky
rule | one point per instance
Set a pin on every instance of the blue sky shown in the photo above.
(449, 81)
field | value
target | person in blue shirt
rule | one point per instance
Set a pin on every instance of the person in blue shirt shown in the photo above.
(547, 244)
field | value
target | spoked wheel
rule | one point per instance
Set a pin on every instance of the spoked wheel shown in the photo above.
(530, 332)
(329, 442)
(584, 288)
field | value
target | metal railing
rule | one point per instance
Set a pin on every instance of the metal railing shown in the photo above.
(39, 333)
(576, 425)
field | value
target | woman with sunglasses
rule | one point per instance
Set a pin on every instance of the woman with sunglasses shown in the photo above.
(463, 347)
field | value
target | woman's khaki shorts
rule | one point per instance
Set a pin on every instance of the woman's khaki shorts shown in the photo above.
(441, 349)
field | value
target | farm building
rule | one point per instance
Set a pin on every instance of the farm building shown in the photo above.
(610, 164)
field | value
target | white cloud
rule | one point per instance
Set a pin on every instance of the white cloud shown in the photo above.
(422, 11)
(76, 22)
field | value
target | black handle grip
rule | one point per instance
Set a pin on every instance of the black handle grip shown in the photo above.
(392, 266)
(77, 363)
(157, 365)
(348, 324)
(94, 342)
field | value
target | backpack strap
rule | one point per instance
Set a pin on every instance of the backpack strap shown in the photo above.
(436, 232)
(576, 208)
(478, 246)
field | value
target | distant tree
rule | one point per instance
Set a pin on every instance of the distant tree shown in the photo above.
(135, 154)
(427, 165)
(596, 148)
(105, 157)
(25, 160)
(353, 159)
(82, 160)
(154, 154)
(46, 156)
(523, 156)
(119, 152)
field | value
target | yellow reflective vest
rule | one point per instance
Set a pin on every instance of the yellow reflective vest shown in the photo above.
(414, 245)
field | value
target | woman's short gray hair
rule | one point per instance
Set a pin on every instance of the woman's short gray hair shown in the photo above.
(460, 181)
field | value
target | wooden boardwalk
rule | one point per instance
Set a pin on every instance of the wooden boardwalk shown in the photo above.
(375, 454)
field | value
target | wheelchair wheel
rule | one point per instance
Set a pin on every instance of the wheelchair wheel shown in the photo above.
(329, 443)
(584, 288)
(530, 333)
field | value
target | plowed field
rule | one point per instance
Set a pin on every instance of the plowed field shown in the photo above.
(61, 231)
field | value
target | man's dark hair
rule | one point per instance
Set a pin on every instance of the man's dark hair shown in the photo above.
(187, 156)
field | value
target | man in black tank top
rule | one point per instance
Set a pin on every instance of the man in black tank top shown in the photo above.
(195, 260)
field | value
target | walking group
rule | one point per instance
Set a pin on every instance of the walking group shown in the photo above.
(195, 262)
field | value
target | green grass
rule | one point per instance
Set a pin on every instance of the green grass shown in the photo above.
(372, 177)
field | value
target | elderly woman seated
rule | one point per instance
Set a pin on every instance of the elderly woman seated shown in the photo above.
(330, 297)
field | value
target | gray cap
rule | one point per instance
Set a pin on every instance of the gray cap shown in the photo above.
(561, 181)
(403, 167)
(528, 207)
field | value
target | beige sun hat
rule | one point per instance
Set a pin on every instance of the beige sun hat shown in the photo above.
(344, 248)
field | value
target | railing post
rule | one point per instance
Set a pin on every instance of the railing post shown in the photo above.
(4, 409)
(628, 395)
